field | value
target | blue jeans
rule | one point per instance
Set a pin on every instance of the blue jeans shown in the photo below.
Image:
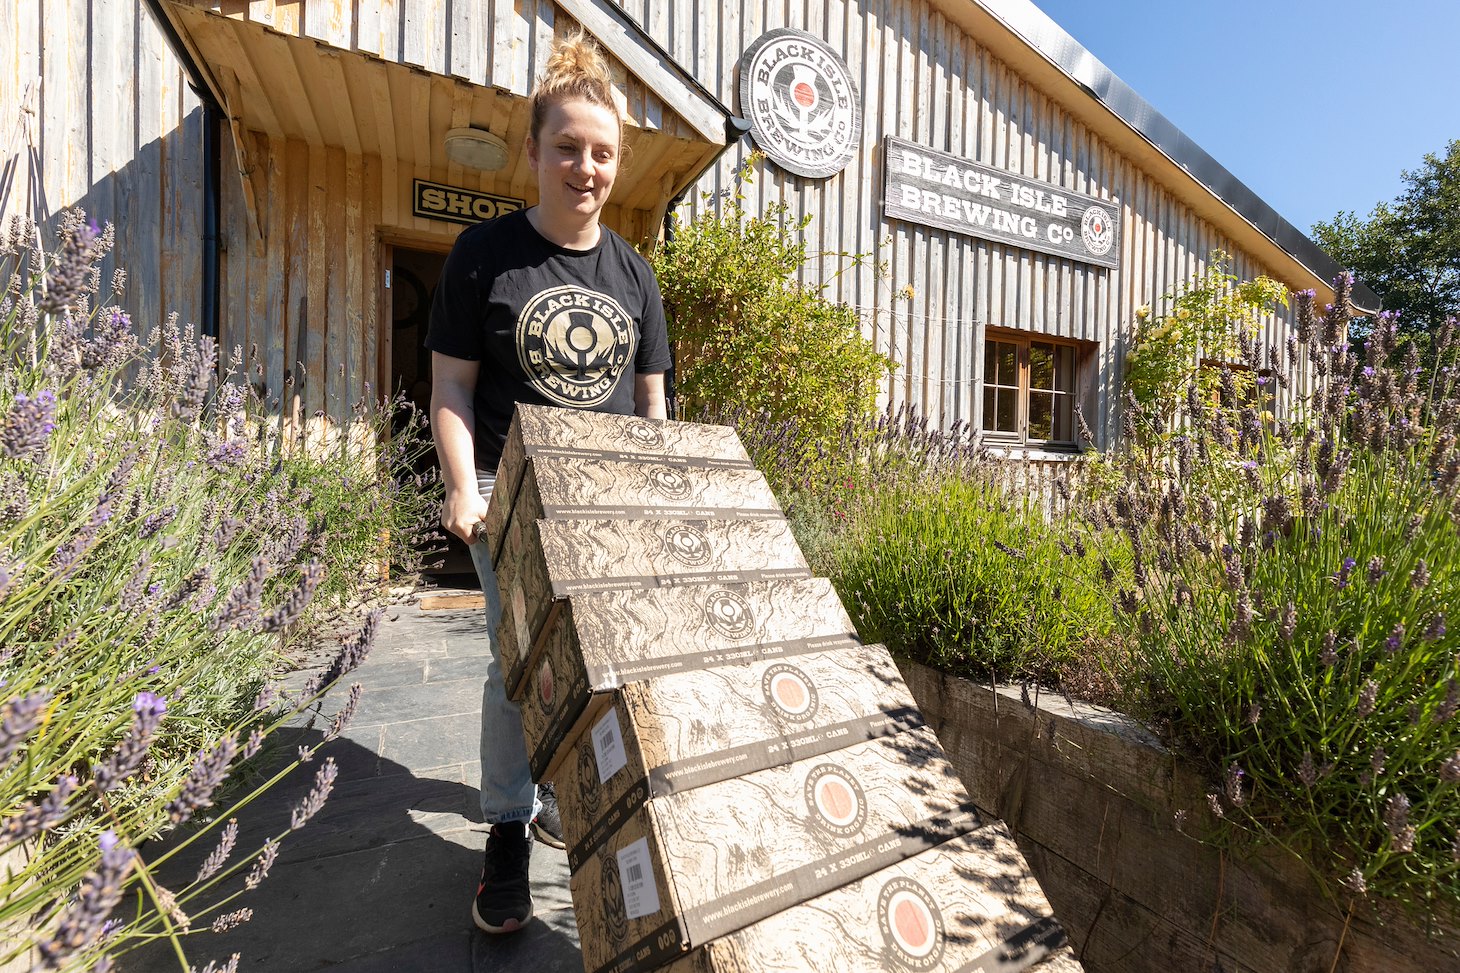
(507, 790)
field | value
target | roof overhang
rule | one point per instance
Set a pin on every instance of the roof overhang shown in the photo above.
(271, 76)
(1025, 38)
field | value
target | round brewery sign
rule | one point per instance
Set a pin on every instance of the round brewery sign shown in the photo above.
(803, 108)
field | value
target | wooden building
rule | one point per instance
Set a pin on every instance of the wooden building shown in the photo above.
(290, 173)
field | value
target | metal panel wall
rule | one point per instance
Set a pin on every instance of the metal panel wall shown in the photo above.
(923, 79)
(93, 87)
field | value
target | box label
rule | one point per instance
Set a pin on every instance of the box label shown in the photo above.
(636, 878)
(608, 746)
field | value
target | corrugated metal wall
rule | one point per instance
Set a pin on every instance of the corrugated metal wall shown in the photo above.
(922, 79)
(116, 132)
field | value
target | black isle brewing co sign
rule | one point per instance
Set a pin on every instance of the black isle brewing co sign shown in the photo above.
(803, 108)
(923, 185)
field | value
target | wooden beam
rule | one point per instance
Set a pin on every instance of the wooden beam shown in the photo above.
(652, 67)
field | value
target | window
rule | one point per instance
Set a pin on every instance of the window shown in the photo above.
(1029, 389)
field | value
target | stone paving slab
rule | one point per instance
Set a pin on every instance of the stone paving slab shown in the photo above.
(382, 878)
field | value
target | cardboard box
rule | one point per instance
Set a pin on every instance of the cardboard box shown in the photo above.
(969, 905)
(543, 432)
(544, 561)
(669, 735)
(695, 865)
(598, 642)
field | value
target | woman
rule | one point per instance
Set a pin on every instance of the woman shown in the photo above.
(546, 306)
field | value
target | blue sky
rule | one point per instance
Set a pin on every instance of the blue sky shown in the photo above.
(1317, 105)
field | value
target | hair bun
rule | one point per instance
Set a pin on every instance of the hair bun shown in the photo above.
(575, 69)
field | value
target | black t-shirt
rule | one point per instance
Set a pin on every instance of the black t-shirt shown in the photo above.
(550, 326)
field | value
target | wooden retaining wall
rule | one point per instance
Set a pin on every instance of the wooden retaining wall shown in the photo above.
(1091, 797)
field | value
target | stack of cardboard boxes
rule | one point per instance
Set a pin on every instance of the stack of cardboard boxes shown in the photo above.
(744, 784)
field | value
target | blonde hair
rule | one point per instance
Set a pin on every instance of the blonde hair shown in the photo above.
(576, 69)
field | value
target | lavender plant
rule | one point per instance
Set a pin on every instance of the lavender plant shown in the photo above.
(1292, 629)
(164, 540)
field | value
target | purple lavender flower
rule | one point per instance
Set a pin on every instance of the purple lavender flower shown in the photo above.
(1289, 624)
(1395, 640)
(295, 601)
(1396, 819)
(1343, 572)
(66, 277)
(229, 920)
(1355, 882)
(1450, 769)
(1367, 697)
(353, 651)
(147, 711)
(1435, 630)
(68, 556)
(229, 967)
(262, 864)
(1376, 568)
(1451, 703)
(324, 782)
(1307, 772)
(1376, 761)
(1235, 797)
(21, 716)
(1329, 655)
(209, 769)
(97, 897)
(241, 606)
(28, 425)
(42, 815)
(226, 454)
(219, 855)
(155, 522)
(347, 712)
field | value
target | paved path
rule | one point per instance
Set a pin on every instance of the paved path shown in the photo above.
(382, 878)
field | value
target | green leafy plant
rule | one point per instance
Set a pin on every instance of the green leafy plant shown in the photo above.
(1206, 320)
(948, 569)
(161, 545)
(1290, 635)
(748, 335)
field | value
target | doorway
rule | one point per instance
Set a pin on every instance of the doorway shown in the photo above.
(410, 290)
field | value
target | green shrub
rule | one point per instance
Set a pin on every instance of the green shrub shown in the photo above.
(1290, 634)
(159, 541)
(748, 336)
(947, 569)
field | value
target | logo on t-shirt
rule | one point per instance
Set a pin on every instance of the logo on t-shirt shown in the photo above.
(574, 344)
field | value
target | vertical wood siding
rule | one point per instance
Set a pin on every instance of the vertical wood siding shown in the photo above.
(117, 133)
(923, 79)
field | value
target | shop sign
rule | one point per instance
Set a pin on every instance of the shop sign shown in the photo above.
(438, 202)
(803, 109)
(923, 185)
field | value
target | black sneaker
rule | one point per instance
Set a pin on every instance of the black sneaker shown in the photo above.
(504, 898)
(548, 825)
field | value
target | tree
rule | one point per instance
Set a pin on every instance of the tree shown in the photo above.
(1408, 251)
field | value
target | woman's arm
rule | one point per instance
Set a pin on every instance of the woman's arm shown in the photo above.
(453, 420)
(649, 395)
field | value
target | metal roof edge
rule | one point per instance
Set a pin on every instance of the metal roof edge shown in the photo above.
(1051, 41)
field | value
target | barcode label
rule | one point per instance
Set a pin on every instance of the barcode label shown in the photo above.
(608, 746)
(636, 878)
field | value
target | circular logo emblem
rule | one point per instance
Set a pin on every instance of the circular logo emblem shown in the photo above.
(545, 683)
(836, 800)
(788, 690)
(912, 926)
(1096, 230)
(729, 614)
(615, 914)
(644, 435)
(669, 483)
(803, 109)
(575, 345)
(589, 794)
(687, 545)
